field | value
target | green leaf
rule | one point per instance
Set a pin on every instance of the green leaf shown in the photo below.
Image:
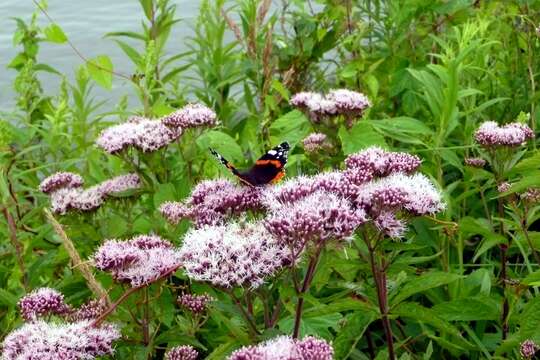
(291, 127)
(351, 332)
(55, 34)
(8, 298)
(533, 279)
(282, 90)
(221, 142)
(130, 52)
(469, 309)
(425, 315)
(360, 136)
(165, 192)
(101, 70)
(528, 164)
(313, 325)
(528, 325)
(223, 350)
(422, 283)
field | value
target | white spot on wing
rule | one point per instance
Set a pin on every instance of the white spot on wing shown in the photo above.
(272, 152)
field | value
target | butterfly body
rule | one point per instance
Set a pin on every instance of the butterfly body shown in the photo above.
(267, 170)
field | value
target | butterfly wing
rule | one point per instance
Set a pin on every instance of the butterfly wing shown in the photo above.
(229, 166)
(270, 167)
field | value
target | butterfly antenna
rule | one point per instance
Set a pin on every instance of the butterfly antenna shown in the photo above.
(224, 161)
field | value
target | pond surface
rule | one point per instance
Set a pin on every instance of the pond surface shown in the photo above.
(85, 23)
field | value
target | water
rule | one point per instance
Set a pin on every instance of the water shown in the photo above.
(85, 23)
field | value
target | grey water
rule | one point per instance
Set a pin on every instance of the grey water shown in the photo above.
(85, 24)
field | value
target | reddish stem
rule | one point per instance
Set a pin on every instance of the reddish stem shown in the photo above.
(380, 284)
(124, 296)
(305, 287)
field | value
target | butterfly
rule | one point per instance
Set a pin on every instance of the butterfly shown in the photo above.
(268, 169)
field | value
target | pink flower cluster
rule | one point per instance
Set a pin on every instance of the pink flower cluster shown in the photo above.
(42, 302)
(184, 352)
(316, 142)
(143, 134)
(232, 255)
(286, 348)
(375, 162)
(490, 134)
(475, 162)
(139, 261)
(50, 341)
(65, 198)
(60, 180)
(196, 304)
(528, 348)
(375, 186)
(384, 198)
(317, 217)
(504, 187)
(213, 201)
(191, 116)
(345, 102)
(88, 311)
(531, 195)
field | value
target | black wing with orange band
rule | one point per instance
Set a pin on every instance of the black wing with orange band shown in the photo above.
(268, 169)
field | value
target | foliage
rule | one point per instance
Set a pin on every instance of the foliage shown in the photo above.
(460, 284)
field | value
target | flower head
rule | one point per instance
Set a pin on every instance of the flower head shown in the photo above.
(286, 348)
(377, 162)
(528, 348)
(118, 137)
(415, 194)
(302, 99)
(61, 180)
(175, 211)
(88, 311)
(349, 103)
(390, 225)
(139, 261)
(315, 142)
(213, 201)
(475, 162)
(490, 134)
(51, 341)
(120, 184)
(191, 116)
(232, 255)
(197, 304)
(532, 195)
(185, 352)
(320, 216)
(66, 199)
(144, 134)
(504, 186)
(41, 302)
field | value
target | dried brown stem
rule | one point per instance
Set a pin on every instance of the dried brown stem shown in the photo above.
(12, 226)
(83, 267)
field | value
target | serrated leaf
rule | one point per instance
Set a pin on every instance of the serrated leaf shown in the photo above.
(101, 70)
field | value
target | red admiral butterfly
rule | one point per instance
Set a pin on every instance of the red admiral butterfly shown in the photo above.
(268, 169)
